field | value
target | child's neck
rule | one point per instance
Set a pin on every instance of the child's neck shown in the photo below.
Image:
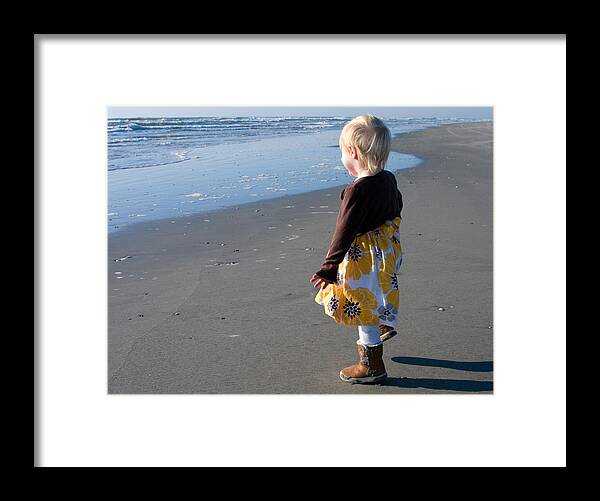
(366, 174)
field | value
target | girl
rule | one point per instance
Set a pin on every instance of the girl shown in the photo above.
(359, 279)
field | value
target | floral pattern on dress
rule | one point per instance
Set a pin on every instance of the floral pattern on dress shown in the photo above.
(333, 304)
(359, 261)
(367, 292)
(389, 288)
(388, 282)
(387, 313)
(357, 308)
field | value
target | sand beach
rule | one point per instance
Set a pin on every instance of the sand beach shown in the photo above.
(220, 302)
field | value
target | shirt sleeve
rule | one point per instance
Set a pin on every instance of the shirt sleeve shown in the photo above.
(350, 218)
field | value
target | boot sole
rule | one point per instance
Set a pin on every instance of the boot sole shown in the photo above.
(387, 336)
(363, 380)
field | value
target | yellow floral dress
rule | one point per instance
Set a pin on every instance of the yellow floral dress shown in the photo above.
(366, 292)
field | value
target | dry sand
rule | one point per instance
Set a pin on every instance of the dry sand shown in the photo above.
(221, 302)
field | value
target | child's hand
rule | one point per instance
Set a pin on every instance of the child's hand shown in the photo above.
(318, 281)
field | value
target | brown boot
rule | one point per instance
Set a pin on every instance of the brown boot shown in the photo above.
(387, 332)
(369, 369)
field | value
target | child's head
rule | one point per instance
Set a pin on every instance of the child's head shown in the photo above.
(365, 144)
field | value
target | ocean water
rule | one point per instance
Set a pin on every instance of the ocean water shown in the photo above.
(170, 167)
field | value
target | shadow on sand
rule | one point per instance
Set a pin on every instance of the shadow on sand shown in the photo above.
(461, 385)
(464, 385)
(447, 364)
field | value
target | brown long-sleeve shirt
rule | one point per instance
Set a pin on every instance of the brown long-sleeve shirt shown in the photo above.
(367, 203)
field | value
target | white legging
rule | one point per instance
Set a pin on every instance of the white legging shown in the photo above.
(368, 335)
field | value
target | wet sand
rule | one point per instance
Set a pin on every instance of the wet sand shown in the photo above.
(221, 302)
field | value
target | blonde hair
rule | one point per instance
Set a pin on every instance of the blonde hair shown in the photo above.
(372, 139)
